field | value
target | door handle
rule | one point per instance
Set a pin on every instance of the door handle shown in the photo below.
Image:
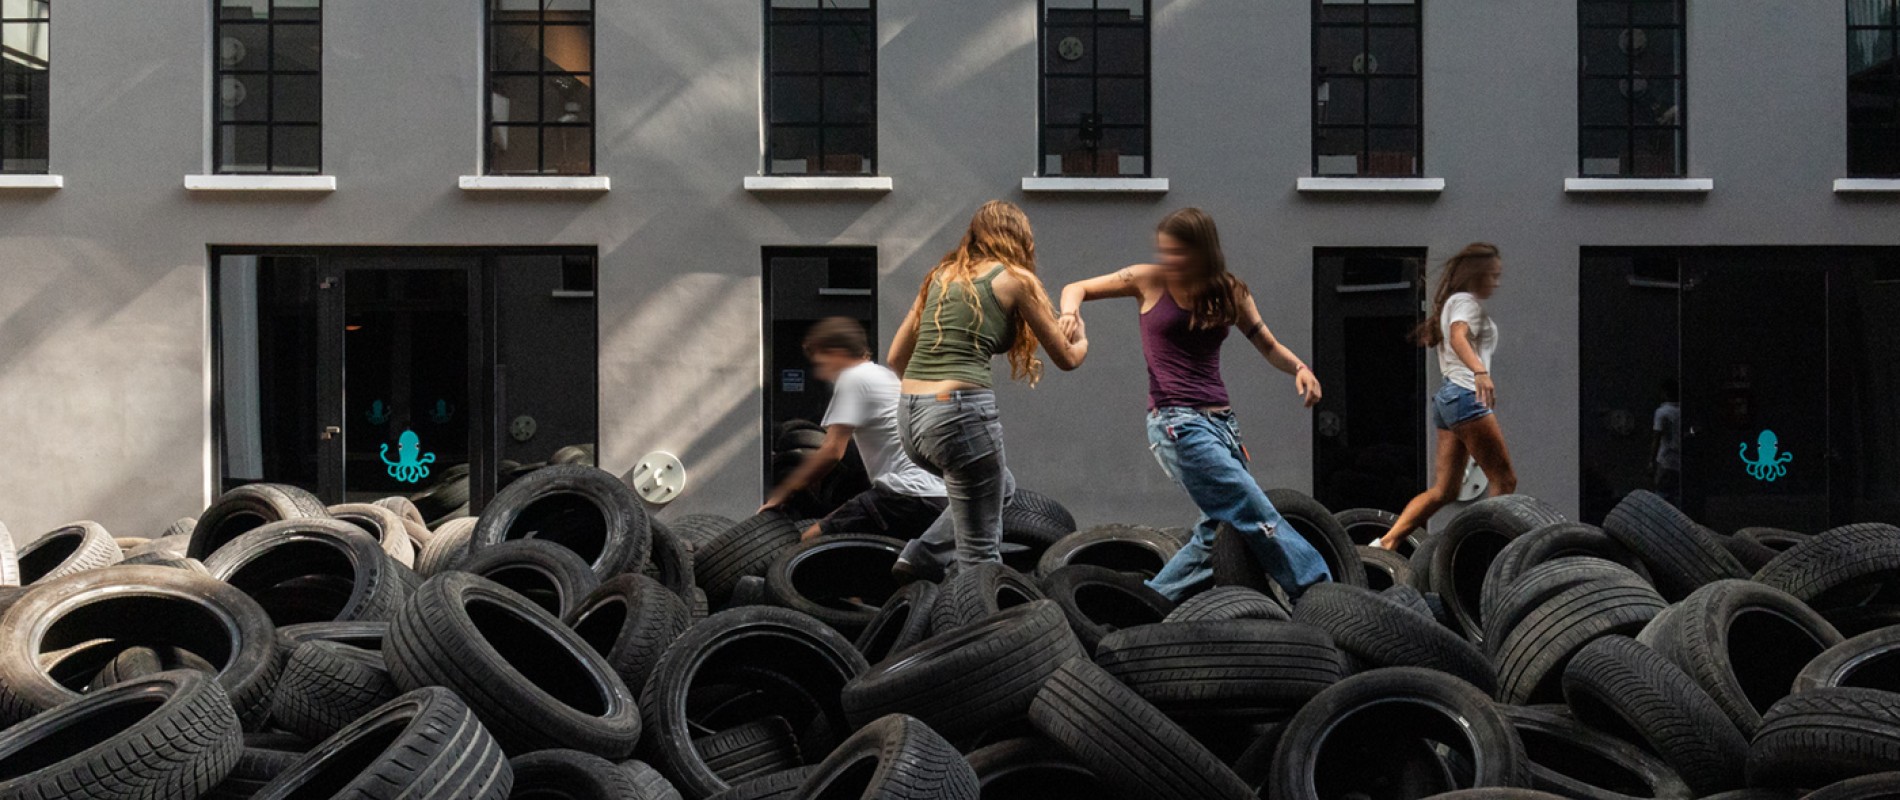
(329, 432)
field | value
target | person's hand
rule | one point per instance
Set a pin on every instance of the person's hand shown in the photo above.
(1487, 392)
(1070, 323)
(1308, 386)
(771, 504)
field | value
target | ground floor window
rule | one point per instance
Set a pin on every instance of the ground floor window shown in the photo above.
(443, 374)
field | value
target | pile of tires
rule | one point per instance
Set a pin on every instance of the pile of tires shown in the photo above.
(565, 644)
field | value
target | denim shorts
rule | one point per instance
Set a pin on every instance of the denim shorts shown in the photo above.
(1455, 405)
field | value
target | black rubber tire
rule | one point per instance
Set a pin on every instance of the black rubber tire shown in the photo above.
(894, 758)
(697, 529)
(671, 561)
(648, 783)
(153, 607)
(1752, 555)
(424, 745)
(1036, 520)
(902, 621)
(383, 525)
(535, 684)
(1384, 568)
(1421, 560)
(1328, 749)
(1033, 768)
(1878, 786)
(1623, 688)
(1570, 759)
(752, 750)
(552, 576)
(1410, 598)
(1367, 525)
(1849, 566)
(790, 664)
(782, 786)
(1245, 669)
(1531, 659)
(1822, 736)
(630, 620)
(840, 580)
(1776, 539)
(1382, 633)
(1317, 525)
(570, 775)
(1124, 548)
(327, 685)
(255, 768)
(66, 550)
(974, 593)
(1547, 544)
(1234, 566)
(404, 508)
(247, 508)
(169, 547)
(1743, 643)
(1468, 545)
(970, 679)
(312, 570)
(1509, 607)
(1228, 602)
(1099, 601)
(1496, 793)
(360, 635)
(447, 545)
(747, 548)
(1681, 555)
(167, 735)
(1115, 734)
(749, 591)
(1868, 661)
(587, 510)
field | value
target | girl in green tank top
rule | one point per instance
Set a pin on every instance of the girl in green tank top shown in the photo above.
(960, 336)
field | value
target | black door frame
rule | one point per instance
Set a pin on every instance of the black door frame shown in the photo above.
(334, 263)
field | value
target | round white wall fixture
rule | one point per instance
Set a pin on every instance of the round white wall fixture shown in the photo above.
(659, 478)
(1475, 485)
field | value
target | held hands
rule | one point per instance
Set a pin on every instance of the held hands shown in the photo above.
(771, 504)
(1308, 386)
(1487, 393)
(1070, 323)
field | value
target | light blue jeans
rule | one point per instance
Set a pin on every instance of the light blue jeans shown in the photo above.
(958, 437)
(1201, 451)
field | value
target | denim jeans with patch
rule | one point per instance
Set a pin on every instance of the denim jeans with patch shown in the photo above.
(1201, 451)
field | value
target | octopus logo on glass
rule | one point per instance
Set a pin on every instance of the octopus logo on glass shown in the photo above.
(1770, 462)
(408, 467)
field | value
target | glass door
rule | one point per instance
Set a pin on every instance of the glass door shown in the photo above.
(1369, 445)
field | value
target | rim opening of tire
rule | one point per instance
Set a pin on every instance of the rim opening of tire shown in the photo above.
(600, 624)
(1051, 781)
(569, 519)
(299, 580)
(765, 672)
(833, 574)
(529, 581)
(1879, 669)
(232, 525)
(1378, 578)
(889, 628)
(1564, 756)
(1358, 752)
(1114, 607)
(365, 522)
(336, 769)
(538, 655)
(1469, 563)
(848, 783)
(1592, 711)
(115, 623)
(1008, 597)
(79, 731)
(53, 549)
(1767, 650)
(1121, 555)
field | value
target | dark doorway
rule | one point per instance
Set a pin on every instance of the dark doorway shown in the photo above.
(803, 285)
(1369, 429)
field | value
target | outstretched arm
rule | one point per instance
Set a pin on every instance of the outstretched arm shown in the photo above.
(814, 468)
(1125, 282)
(1277, 354)
(905, 342)
(1066, 349)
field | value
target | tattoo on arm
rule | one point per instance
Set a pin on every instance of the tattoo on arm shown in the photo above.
(1253, 331)
(1127, 275)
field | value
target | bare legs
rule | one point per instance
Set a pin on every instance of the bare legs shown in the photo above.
(1480, 439)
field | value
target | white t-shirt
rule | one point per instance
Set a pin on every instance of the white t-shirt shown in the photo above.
(865, 397)
(1463, 307)
(1668, 422)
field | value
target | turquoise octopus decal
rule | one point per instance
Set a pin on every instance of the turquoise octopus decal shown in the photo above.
(378, 413)
(1768, 463)
(407, 467)
(442, 413)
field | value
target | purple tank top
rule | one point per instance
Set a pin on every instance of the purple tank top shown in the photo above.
(1183, 363)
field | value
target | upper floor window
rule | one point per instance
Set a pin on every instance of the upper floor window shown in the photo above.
(23, 87)
(1095, 88)
(1632, 89)
(1367, 94)
(540, 87)
(1873, 89)
(269, 86)
(821, 87)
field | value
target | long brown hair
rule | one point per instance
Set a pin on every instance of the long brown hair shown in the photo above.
(999, 233)
(1218, 303)
(1462, 273)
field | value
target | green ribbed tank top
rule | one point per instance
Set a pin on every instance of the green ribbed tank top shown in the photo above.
(953, 342)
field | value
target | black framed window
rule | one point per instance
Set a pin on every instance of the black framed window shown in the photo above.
(268, 86)
(1632, 89)
(24, 92)
(1873, 89)
(821, 87)
(540, 87)
(1095, 90)
(1368, 99)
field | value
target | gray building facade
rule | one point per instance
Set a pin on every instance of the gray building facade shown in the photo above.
(127, 392)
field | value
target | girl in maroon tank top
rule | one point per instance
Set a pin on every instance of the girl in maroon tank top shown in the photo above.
(1189, 301)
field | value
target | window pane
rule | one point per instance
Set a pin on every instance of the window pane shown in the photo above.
(1125, 150)
(1120, 10)
(1873, 152)
(795, 99)
(1067, 100)
(1604, 152)
(1603, 52)
(1071, 49)
(297, 98)
(569, 48)
(1392, 152)
(243, 47)
(568, 9)
(23, 147)
(515, 48)
(1655, 12)
(1656, 101)
(1338, 151)
(1654, 153)
(1870, 12)
(295, 148)
(1123, 101)
(244, 98)
(297, 48)
(1394, 51)
(1391, 12)
(850, 150)
(298, 10)
(1604, 12)
(795, 48)
(1339, 50)
(241, 9)
(1873, 100)
(1603, 102)
(1067, 154)
(1342, 101)
(515, 99)
(23, 9)
(244, 148)
(1653, 51)
(849, 100)
(1394, 101)
(567, 98)
(1870, 50)
(849, 48)
(513, 148)
(1122, 50)
(570, 150)
(1352, 11)
(793, 151)
(25, 44)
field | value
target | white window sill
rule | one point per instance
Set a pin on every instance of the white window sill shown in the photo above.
(818, 183)
(1398, 185)
(261, 183)
(1639, 185)
(535, 183)
(1868, 185)
(32, 181)
(1114, 185)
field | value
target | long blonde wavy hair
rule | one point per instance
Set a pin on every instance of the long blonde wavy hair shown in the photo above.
(998, 234)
